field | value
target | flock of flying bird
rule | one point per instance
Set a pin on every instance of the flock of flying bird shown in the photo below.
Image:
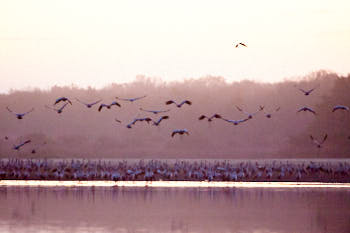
(66, 101)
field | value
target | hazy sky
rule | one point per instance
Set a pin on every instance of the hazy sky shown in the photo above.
(49, 42)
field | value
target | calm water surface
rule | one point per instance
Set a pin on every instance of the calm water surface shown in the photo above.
(134, 210)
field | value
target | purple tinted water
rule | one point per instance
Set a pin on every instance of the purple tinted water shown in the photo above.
(85, 209)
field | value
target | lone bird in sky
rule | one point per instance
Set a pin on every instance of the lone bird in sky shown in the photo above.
(209, 118)
(63, 99)
(108, 106)
(19, 115)
(240, 44)
(17, 147)
(131, 99)
(156, 123)
(180, 104)
(340, 107)
(58, 110)
(318, 143)
(155, 111)
(307, 92)
(88, 105)
(179, 131)
(306, 109)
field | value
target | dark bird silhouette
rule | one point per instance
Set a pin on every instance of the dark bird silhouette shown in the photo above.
(131, 99)
(180, 104)
(236, 122)
(209, 118)
(340, 107)
(307, 92)
(155, 111)
(156, 123)
(63, 99)
(250, 115)
(269, 114)
(179, 131)
(58, 110)
(88, 105)
(108, 106)
(19, 115)
(147, 119)
(306, 109)
(318, 143)
(240, 44)
(117, 120)
(17, 147)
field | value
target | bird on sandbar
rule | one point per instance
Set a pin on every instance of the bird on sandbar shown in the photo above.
(318, 143)
(88, 105)
(180, 131)
(58, 110)
(180, 104)
(209, 118)
(63, 99)
(131, 99)
(340, 107)
(154, 111)
(306, 109)
(17, 147)
(19, 115)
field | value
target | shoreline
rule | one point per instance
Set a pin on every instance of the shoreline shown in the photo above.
(289, 170)
(169, 184)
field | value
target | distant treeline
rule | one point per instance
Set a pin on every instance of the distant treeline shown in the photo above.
(80, 132)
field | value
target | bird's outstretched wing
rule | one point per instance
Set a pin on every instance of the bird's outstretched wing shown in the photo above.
(170, 102)
(216, 116)
(50, 108)
(80, 101)
(310, 110)
(96, 102)
(131, 99)
(102, 106)
(31, 110)
(63, 106)
(185, 102)
(239, 109)
(202, 117)
(324, 139)
(8, 109)
(160, 119)
(314, 140)
(115, 103)
(141, 97)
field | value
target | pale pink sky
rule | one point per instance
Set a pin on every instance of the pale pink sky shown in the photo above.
(47, 42)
